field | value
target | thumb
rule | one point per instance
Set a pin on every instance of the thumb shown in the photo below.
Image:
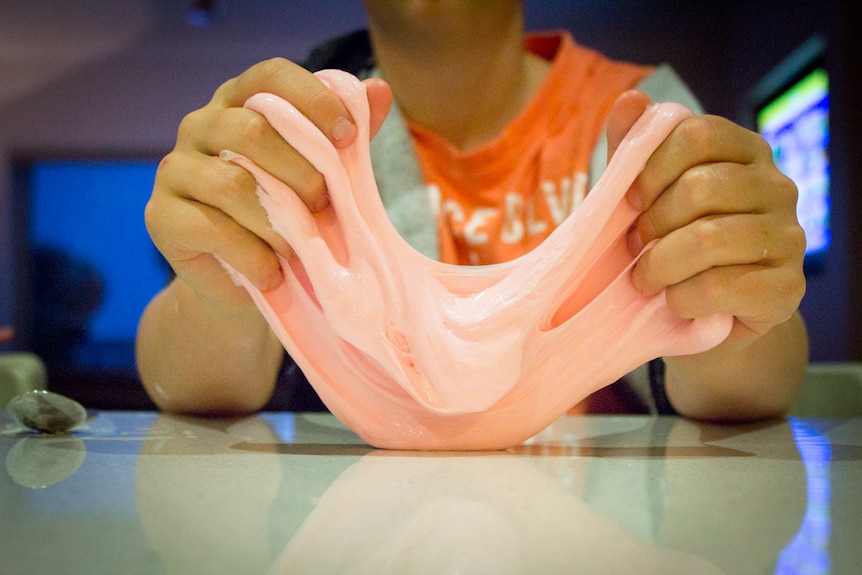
(624, 113)
(379, 101)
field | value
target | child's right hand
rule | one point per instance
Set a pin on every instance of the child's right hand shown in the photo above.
(202, 205)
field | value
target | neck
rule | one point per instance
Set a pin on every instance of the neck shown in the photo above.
(464, 78)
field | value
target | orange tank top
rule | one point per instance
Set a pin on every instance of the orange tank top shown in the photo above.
(501, 200)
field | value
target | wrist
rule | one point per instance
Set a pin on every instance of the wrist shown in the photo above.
(742, 378)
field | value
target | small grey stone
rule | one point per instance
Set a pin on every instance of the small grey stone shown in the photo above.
(46, 411)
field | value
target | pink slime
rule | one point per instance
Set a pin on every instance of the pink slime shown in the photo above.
(411, 353)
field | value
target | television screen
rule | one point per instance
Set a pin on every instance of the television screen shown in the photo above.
(92, 266)
(796, 125)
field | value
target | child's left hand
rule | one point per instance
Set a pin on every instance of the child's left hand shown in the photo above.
(725, 220)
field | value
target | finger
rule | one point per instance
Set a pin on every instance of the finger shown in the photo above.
(207, 231)
(704, 190)
(233, 191)
(298, 86)
(696, 140)
(758, 297)
(737, 239)
(379, 101)
(248, 133)
(623, 115)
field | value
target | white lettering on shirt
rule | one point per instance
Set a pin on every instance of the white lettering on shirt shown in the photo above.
(518, 221)
(512, 231)
(473, 232)
(452, 209)
(433, 191)
(564, 196)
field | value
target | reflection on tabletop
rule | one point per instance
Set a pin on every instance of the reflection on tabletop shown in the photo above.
(285, 493)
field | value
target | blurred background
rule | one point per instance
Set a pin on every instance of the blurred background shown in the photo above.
(92, 92)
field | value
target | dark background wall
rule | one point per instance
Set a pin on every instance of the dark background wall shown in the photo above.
(113, 78)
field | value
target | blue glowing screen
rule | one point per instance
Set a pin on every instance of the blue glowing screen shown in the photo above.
(93, 260)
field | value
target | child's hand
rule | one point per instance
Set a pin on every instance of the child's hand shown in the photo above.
(202, 205)
(725, 220)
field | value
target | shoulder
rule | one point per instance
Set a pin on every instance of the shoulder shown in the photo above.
(665, 85)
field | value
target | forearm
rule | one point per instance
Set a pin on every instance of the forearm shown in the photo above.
(737, 383)
(199, 357)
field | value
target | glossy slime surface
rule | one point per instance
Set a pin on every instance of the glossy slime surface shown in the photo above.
(411, 353)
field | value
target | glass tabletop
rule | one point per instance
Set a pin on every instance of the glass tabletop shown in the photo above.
(143, 492)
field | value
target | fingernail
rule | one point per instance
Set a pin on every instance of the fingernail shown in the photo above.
(637, 283)
(343, 129)
(273, 279)
(635, 199)
(636, 244)
(272, 282)
(320, 203)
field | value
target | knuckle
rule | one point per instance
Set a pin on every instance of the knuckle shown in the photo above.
(236, 182)
(787, 293)
(165, 163)
(251, 126)
(780, 185)
(273, 67)
(697, 187)
(152, 215)
(164, 169)
(707, 234)
(309, 93)
(786, 188)
(698, 131)
(761, 147)
(188, 125)
(157, 222)
(709, 286)
(796, 240)
(154, 209)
